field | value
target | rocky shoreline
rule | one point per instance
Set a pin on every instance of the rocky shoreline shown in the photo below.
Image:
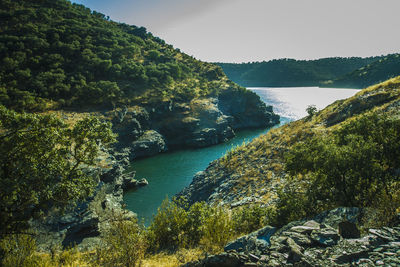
(329, 239)
(144, 131)
(152, 128)
(84, 224)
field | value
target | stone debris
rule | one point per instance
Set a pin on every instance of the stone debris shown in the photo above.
(330, 239)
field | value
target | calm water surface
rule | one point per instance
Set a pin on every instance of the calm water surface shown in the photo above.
(169, 173)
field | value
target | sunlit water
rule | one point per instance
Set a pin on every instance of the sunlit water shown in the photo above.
(169, 173)
(291, 102)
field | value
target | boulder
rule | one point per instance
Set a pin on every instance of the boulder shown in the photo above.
(142, 182)
(325, 236)
(256, 241)
(110, 175)
(149, 144)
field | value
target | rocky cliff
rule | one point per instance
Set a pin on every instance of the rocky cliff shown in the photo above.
(85, 223)
(252, 173)
(155, 127)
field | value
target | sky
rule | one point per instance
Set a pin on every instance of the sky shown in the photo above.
(257, 30)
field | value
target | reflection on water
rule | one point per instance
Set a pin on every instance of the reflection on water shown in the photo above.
(169, 173)
(291, 102)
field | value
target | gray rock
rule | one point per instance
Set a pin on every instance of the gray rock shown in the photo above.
(129, 183)
(295, 252)
(110, 175)
(142, 182)
(326, 236)
(149, 144)
(87, 227)
(258, 240)
(314, 243)
(246, 109)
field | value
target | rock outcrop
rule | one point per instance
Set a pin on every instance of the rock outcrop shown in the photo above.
(84, 223)
(155, 127)
(320, 241)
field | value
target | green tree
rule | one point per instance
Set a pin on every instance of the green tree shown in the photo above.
(42, 164)
(123, 245)
(311, 110)
(349, 167)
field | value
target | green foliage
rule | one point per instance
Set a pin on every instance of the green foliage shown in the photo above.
(250, 218)
(123, 245)
(59, 51)
(177, 226)
(18, 250)
(378, 71)
(352, 166)
(169, 228)
(311, 110)
(291, 72)
(217, 229)
(42, 164)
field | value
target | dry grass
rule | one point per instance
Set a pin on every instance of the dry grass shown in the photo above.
(172, 260)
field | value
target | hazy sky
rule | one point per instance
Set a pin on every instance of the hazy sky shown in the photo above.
(256, 30)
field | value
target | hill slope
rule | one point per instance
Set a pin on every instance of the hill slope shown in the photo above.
(290, 72)
(375, 72)
(65, 52)
(58, 55)
(256, 172)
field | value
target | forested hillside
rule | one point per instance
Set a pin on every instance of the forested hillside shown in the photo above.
(57, 54)
(291, 72)
(375, 72)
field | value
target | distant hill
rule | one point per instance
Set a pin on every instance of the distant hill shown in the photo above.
(55, 53)
(375, 72)
(291, 72)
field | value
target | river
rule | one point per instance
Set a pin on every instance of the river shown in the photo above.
(170, 172)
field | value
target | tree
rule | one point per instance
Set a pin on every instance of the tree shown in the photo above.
(311, 110)
(42, 164)
(350, 166)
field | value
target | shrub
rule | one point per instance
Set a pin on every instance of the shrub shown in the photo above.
(178, 226)
(168, 229)
(250, 218)
(217, 229)
(124, 245)
(17, 250)
(355, 165)
(311, 110)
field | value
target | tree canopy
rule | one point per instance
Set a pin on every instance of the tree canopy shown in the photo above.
(355, 165)
(42, 164)
(325, 71)
(55, 53)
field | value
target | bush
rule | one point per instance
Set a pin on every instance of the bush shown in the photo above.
(217, 229)
(355, 165)
(250, 218)
(178, 226)
(168, 229)
(124, 245)
(17, 250)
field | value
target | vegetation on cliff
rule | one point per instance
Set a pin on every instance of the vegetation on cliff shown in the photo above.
(42, 164)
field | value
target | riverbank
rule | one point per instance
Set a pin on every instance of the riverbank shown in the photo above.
(168, 173)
